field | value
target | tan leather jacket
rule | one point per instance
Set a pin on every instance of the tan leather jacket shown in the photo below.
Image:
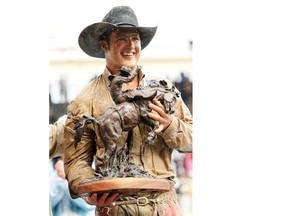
(156, 159)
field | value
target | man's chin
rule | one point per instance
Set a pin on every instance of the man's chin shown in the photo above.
(129, 64)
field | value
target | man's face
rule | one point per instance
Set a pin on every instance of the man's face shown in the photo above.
(123, 48)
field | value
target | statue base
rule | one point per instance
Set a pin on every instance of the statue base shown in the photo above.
(127, 186)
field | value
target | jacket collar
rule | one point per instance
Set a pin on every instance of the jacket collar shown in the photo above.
(107, 73)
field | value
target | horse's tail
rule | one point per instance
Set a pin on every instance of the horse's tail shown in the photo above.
(80, 127)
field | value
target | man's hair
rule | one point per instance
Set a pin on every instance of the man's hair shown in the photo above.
(55, 160)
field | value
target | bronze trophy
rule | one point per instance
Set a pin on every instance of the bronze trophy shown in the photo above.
(117, 173)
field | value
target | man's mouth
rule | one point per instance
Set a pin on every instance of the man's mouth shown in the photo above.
(128, 53)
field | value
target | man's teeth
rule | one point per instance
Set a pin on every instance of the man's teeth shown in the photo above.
(128, 54)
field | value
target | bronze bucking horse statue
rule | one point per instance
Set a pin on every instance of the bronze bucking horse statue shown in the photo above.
(130, 109)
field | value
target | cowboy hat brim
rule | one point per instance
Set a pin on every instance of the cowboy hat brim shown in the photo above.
(89, 38)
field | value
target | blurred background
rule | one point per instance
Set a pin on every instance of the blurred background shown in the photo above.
(169, 55)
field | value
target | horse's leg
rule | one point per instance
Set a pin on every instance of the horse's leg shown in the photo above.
(144, 110)
(152, 135)
(111, 130)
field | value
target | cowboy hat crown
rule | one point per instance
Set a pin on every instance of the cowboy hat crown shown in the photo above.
(118, 17)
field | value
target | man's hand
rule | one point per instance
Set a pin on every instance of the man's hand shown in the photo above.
(158, 114)
(103, 199)
(59, 167)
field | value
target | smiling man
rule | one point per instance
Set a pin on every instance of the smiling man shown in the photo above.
(119, 39)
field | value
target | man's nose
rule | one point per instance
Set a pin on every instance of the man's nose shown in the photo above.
(130, 40)
(131, 43)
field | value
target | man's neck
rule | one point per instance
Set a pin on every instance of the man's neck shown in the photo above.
(131, 85)
(116, 70)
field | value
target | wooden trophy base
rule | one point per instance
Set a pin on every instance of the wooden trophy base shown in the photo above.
(126, 186)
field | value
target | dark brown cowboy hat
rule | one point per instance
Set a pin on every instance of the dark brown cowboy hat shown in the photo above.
(118, 17)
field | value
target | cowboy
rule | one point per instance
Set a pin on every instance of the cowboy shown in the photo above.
(119, 39)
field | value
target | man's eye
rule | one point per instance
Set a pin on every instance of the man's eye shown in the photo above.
(121, 39)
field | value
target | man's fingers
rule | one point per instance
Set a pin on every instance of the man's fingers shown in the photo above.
(92, 199)
(159, 129)
(113, 197)
(157, 109)
(103, 197)
(158, 103)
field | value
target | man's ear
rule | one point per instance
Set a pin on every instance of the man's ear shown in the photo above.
(103, 44)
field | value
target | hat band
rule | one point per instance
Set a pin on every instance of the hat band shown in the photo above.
(125, 24)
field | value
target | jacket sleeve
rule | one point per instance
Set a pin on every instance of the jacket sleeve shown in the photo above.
(77, 158)
(179, 134)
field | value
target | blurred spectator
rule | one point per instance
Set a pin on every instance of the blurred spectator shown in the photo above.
(179, 158)
(188, 164)
(185, 86)
(61, 201)
(190, 44)
(52, 118)
(176, 157)
(56, 137)
(63, 90)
